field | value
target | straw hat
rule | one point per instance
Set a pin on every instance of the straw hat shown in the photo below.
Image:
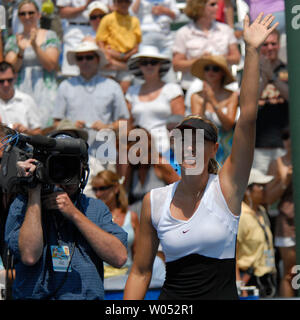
(86, 46)
(148, 52)
(256, 176)
(197, 68)
(68, 127)
(97, 5)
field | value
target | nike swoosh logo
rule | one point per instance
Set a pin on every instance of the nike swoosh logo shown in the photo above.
(185, 231)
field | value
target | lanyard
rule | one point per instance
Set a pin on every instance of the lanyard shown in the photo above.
(58, 227)
(263, 226)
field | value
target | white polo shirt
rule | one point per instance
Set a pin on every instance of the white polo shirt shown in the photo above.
(21, 108)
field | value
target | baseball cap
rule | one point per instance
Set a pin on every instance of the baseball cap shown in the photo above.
(256, 176)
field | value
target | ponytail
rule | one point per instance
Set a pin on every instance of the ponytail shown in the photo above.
(213, 166)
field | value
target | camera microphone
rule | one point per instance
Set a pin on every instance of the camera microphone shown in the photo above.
(38, 141)
(66, 145)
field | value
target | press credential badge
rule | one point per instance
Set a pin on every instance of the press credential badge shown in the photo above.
(60, 258)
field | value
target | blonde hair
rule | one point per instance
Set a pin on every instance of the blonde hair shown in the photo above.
(195, 8)
(22, 3)
(111, 178)
(213, 165)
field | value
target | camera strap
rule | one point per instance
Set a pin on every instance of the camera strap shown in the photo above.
(58, 227)
(61, 255)
(263, 226)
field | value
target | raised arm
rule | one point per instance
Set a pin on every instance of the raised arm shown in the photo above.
(234, 174)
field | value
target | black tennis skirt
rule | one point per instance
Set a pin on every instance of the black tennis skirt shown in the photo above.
(196, 277)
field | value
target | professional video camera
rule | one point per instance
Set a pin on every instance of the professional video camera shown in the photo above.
(59, 161)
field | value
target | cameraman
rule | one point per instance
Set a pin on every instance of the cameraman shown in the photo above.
(59, 241)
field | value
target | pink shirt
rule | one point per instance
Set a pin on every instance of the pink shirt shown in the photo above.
(193, 42)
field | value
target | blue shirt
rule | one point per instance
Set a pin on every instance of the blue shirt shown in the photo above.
(97, 99)
(85, 281)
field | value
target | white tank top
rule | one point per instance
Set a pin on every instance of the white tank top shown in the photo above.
(210, 232)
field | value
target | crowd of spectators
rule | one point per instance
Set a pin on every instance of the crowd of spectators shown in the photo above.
(90, 65)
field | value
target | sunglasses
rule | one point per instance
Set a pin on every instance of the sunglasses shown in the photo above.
(25, 13)
(9, 80)
(95, 189)
(88, 57)
(212, 68)
(97, 16)
(146, 62)
(123, 1)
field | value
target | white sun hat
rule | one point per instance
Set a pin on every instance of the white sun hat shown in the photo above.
(256, 176)
(97, 5)
(148, 52)
(86, 46)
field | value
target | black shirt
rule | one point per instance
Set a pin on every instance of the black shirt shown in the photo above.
(273, 114)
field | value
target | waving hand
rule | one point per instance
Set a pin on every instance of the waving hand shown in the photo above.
(256, 33)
